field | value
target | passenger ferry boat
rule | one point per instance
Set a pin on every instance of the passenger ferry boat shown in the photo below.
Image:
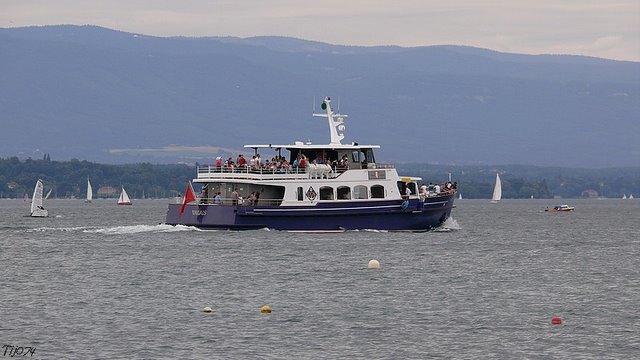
(317, 188)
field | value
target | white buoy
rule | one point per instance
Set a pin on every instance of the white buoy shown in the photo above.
(373, 264)
(207, 309)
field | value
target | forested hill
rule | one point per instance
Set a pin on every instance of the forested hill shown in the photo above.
(68, 179)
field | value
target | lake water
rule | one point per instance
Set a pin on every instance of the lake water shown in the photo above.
(102, 281)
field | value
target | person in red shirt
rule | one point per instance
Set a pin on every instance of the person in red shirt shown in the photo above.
(241, 160)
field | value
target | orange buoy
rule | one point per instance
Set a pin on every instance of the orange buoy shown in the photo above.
(556, 320)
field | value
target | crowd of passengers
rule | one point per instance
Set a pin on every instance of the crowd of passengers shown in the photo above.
(434, 189)
(277, 164)
(236, 199)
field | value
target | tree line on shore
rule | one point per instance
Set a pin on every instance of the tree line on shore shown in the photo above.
(68, 179)
(525, 181)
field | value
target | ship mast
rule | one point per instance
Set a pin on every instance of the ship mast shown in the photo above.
(336, 122)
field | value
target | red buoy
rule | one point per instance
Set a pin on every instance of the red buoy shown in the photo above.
(556, 320)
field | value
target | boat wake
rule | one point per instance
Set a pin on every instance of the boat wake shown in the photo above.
(136, 229)
(373, 230)
(115, 230)
(45, 229)
(449, 225)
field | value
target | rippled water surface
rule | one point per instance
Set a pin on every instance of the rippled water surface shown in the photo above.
(101, 281)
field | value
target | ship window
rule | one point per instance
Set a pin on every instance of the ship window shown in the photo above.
(355, 156)
(377, 192)
(370, 158)
(360, 192)
(358, 156)
(344, 193)
(300, 194)
(326, 193)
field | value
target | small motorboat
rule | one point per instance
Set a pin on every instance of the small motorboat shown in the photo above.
(559, 208)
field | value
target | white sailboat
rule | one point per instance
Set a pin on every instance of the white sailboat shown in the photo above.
(37, 202)
(497, 190)
(124, 198)
(48, 194)
(89, 192)
(630, 196)
(460, 196)
(624, 196)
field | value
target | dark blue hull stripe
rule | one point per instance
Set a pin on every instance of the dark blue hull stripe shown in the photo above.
(378, 215)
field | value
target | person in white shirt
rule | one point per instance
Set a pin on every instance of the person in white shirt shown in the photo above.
(423, 190)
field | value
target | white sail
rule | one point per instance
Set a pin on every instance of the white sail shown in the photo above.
(124, 198)
(630, 196)
(89, 191)
(624, 196)
(37, 202)
(48, 194)
(497, 190)
(460, 196)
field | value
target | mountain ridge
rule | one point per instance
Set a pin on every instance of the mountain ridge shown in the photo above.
(95, 90)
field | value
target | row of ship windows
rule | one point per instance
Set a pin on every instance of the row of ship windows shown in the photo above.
(345, 193)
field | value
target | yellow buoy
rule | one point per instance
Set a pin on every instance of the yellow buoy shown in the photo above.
(207, 309)
(265, 309)
(373, 264)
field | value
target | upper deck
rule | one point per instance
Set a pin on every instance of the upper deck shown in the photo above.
(304, 161)
(312, 171)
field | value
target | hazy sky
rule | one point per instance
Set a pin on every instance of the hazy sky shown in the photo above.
(602, 28)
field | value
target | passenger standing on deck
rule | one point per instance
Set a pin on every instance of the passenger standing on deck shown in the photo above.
(242, 162)
(423, 190)
(217, 199)
(251, 199)
(234, 197)
(343, 161)
(229, 164)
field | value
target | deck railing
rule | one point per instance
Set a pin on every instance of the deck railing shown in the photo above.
(212, 171)
(247, 172)
(227, 201)
(384, 166)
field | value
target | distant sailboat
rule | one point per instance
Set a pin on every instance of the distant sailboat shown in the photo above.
(48, 194)
(89, 192)
(497, 190)
(37, 202)
(624, 196)
(630, 196)
(459, 196)
(124, 198)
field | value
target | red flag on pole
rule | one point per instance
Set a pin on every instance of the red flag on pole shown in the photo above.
(189, 196)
